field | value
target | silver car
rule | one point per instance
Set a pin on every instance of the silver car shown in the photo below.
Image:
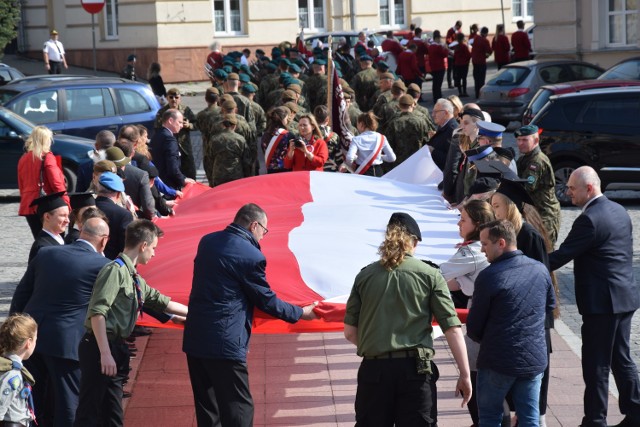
(508, 93)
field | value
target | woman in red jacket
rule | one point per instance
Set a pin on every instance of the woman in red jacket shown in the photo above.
(501, 47)
(308, 152)
(38, 169)
(461, 59)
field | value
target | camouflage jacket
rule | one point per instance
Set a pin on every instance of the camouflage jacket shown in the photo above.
(316, 90)
(230, 157)
(406, 134)
(365, 84)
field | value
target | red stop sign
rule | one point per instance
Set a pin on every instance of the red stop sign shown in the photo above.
(92, 6)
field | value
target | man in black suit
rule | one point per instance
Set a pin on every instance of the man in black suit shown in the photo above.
(444, 156)
(165, 151)
(110, 186)
(54, 214)
(601, 245)
(136, 181)
(55, 291)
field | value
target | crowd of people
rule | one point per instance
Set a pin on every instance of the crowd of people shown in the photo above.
(82, 290)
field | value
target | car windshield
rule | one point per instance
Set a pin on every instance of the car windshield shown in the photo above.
(509, 76)
(22, 126)
(6, 95)
(539, 100)
(628, 71)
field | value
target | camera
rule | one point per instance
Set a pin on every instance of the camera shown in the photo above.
(299, 143)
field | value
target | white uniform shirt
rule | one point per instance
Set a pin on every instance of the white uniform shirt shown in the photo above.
(54, 49)
(364, 144)
(464, 266)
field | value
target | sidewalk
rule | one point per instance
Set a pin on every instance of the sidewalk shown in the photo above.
(310, 380)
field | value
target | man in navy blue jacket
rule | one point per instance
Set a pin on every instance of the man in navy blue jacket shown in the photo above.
(510, 301)
(55, 291)
(165, 150)
(600, 244)
(228, 283)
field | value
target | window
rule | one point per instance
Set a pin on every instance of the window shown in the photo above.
(311, 14)
(522, 9)
(227, 17)
(39, 108)
(89, 103)
(392, 13)
(614, 112)
(131, 102)
(111, 19)
(622, 22)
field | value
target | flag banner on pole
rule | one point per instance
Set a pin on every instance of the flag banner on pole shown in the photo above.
(340, 121)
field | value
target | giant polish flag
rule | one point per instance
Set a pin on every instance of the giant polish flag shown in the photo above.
(323, 229)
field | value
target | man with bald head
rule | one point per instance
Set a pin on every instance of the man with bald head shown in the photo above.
(55, 291)
(600, 244)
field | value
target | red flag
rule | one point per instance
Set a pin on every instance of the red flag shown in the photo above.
(340, 121)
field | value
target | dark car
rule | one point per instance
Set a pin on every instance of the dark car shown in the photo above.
(81, 106)
(628, 69)
(8, 74)
(546, 91)
(14, 131)
(509, 92)
(598, 128)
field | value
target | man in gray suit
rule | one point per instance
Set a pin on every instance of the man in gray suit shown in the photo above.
(601, 245)
(55, 291)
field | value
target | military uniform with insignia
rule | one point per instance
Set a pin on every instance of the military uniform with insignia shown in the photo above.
(230, 156)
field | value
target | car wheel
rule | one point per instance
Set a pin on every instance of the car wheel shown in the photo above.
(70, 179)
(562, 171)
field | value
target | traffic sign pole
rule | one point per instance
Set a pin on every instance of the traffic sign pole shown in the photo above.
(93, 7)
(93, 33)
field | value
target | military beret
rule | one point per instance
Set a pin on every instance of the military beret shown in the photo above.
(292, 106)
(244, 78)
(288, 95)
(271, 66)
(228, 69)
(382, 66)
(359, 49)
(526, 130)
(260, 52)
(414, 87)
(49, 202)
(320, 61)
(473, 112)
(233, 76)
(294, 68)
(399, 84)
(294, 87)
(111, 181)
(492, 130)
(285, 61)
(228, 105)
(406, 100)
(365, 58)
(230, 119)
(407, 222)
(227, 97)
(104, 166)
(220, 73)
(317, 51)
(213, 90)
(248, 88)
(387, 76)
(284, 76)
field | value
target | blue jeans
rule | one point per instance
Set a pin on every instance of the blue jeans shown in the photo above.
(492, 390)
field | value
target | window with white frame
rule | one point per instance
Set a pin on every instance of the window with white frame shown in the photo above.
(622, 22)
(311, 14)
(522, 9)
(111, 19)
(392, 13)
(227, 17)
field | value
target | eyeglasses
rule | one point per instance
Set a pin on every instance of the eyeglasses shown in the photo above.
(264, 229)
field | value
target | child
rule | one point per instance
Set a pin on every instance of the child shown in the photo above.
(18, 335)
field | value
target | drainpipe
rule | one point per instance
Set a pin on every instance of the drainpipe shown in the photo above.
(579, 52)
(352, 9)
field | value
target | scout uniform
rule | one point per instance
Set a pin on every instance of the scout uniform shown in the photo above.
(16, 402)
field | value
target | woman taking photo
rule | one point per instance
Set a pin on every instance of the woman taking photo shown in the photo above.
(308, 152)
(275, 139)
(369, 149)
(38, 174)
(460, 272)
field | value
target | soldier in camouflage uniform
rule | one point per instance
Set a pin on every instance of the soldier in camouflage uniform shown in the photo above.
(391, 110)
(232, 85)
(294, 116)
(187, 160)
(383, 94)
(535, 167)
(206, 120)
(316, 86)
(261, 124)
(331, 138)
(219, 77)
(230, 156)
(406, 132)
(414, 90)
(242, 128)
(352, 109)
(365, 83)
(268, 83)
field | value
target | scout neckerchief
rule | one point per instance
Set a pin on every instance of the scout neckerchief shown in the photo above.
(372, 156)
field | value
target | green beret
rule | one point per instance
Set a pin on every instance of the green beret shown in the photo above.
(526, 130)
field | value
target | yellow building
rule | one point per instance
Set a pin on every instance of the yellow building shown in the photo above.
(177, 34)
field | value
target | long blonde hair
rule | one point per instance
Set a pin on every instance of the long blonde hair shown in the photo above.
(39, 142)
(397, 243)
(15, 331)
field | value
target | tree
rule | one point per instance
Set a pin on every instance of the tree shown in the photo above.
(9, 18)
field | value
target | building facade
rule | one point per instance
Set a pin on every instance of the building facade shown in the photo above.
(177, 34)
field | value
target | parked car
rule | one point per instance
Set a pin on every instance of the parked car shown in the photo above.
(8, 74)
(546, 91)
(81, 106)
(598, 128)
(350, 36)
(627, 69)
(507, 94)
(14, 131)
